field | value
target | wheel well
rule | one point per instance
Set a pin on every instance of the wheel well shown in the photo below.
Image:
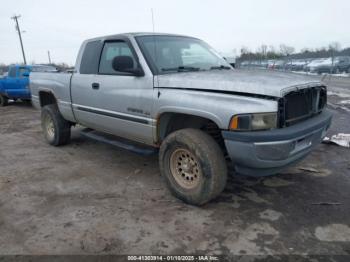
(170, 122)
(46, 98)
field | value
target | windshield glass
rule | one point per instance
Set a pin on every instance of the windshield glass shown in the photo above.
(168, 54)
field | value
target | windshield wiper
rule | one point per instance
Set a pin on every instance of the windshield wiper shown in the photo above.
(181, 69)
(220, 67)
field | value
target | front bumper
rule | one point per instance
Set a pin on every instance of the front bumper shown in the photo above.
(263, 153)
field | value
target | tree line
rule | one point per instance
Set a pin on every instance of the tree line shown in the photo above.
(284, 51)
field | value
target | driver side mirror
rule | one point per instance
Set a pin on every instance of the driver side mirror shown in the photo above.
(126, 64)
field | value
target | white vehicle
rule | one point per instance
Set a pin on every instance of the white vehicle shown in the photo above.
(314, 64)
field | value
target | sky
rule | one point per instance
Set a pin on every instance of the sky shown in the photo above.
(60, 26)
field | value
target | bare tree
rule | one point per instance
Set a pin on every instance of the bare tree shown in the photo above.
(272, 49)
(262, 50)
(244, 50)
(334, 46)
(286, 50)
(306, 50)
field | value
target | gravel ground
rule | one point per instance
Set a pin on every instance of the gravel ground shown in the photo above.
(91, 198)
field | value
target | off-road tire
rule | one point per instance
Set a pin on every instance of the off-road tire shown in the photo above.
(56, 129)
(3, 100)
(210, 159)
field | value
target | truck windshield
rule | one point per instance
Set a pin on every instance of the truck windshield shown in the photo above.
(169, 54)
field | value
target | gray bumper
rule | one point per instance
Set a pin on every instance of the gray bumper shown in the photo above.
(263, 153)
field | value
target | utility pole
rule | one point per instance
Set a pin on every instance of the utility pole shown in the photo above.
(48, 54)
(15, 17)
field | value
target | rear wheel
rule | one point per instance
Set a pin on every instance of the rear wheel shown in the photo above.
(3, 100)
(56, 129)
(193, 166)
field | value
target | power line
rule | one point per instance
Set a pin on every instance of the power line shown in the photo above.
(15, 17)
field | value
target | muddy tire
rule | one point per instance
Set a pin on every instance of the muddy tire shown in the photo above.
(3, 100)
(56, 129)
(193, 166)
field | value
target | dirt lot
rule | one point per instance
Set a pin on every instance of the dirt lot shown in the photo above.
(91, 198)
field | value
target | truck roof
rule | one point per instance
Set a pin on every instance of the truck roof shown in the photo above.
(133, 34)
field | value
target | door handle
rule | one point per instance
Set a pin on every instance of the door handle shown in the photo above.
(95, 86)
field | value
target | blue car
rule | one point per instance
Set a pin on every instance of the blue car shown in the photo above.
(16, 84)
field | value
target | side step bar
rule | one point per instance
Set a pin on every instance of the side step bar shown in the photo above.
(119, 142)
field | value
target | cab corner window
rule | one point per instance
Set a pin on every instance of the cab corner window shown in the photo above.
(89, 61)
(111, 50)
(12, 72)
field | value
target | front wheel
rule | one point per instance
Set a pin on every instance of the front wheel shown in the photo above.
(56, 129)
(193, 166)
(3, 100)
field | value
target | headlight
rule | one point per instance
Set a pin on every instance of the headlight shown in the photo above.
(249, 122)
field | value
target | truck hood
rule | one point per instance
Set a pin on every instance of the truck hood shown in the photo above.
(255, 82)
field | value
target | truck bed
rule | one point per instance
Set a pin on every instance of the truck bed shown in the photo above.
(59, 83)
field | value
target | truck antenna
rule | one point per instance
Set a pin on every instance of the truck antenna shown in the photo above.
(152, 19)
(49, 56)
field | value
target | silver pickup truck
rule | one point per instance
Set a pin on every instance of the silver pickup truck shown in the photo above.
(175, 94)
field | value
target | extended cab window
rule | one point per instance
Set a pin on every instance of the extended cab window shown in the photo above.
(90, 58)
(12, 72)
(110, 51)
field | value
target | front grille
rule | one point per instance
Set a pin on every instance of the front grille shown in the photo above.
(299, 105)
